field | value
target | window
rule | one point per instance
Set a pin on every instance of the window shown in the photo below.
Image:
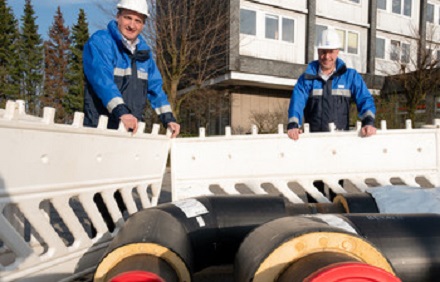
(355, 1)
(395, 50)
(318, 34)
(430, 13)
(400, 51)
(349, 39)
(407, 7)
(272, 27)
(275, 27)
(382, 4)
(352, 46)
(402, 7)
(341, 34)
(248, 22)
(288, 30)
(397, 6)
(380, 48)
(429, 57)
(405, 57)
(438, 58)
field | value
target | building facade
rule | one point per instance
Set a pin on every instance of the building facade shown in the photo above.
(271, 42)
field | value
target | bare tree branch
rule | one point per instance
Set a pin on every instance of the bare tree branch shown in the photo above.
(420, 76)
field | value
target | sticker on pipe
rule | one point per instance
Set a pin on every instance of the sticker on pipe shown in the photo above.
(191, 207)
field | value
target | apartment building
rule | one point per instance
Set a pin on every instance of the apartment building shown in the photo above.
(271, 42)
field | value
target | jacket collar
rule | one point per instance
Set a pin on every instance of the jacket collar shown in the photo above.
(312, 71)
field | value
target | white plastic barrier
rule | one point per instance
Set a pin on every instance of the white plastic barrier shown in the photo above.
(50, 225)
(52, 229)
(276, 164)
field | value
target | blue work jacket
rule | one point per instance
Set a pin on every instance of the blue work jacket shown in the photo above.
(119, 82)
(321, 102)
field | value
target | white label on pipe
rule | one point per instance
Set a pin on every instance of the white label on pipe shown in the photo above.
(191, 207)
(335, 221)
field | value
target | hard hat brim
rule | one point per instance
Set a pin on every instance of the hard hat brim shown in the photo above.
(329, 47)
(143, 14)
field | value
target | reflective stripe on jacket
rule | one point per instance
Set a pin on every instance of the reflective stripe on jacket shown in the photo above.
(322, 102)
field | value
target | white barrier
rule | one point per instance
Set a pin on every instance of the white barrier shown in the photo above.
(275, 164)
(52, 229)
(50, 226)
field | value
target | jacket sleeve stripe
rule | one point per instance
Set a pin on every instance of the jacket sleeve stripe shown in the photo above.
(294, 119)
(163, 109)
(367, 114)
(114, 103)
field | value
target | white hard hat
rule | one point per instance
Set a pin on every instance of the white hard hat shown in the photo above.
(139, 6)
(329, 40)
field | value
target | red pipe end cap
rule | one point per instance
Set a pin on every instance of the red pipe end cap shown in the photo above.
(351, 272)
(137, 276)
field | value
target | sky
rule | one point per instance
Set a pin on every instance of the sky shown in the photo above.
(45, 11)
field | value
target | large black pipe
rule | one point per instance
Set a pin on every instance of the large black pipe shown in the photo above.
(190, 235)
(411, 242)
(273, 247)
(193, 233)
(406, 245)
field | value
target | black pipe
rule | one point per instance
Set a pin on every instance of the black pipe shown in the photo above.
(411, 242)
(272, 247)
(406, 245)
(197, 233)
(356, 203)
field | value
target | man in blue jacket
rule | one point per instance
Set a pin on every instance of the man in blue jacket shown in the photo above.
(324, 91)
(121, 73)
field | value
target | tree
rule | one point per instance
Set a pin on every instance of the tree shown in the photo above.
(31, 58)
(9, 60)
(75, 97)
(267, 122)
(189, 40)
(57, 52)
(419, 76)
(206, 108)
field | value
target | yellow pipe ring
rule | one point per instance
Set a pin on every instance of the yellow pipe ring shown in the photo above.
(116, 256)
(296, 248)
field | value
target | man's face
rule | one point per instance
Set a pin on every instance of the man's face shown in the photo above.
(130, 23)
(327, 58)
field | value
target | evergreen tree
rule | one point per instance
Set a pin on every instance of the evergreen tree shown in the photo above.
(9, 69)
(31, 54)
(56, 58)
(75, 97)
